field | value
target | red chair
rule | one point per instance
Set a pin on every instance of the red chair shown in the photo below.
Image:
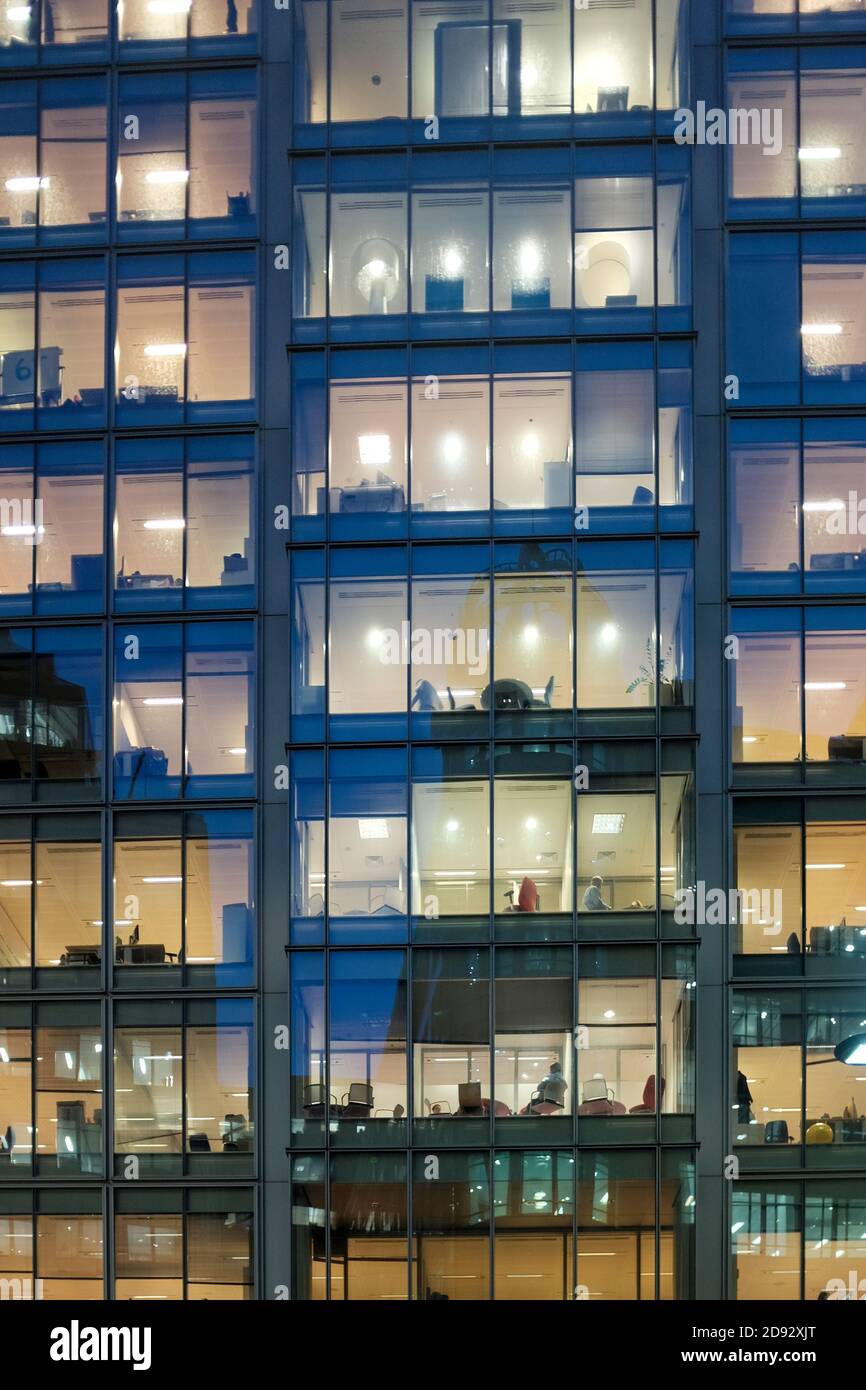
(649, 1097)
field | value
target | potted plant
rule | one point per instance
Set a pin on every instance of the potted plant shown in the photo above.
(646, 675)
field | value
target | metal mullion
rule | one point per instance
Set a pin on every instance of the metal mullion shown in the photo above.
(109, 1262)
(184, 1244)
(184, 1108)
(183, 895)
(491, 1151)
(490, 8)
(186, 292)
(657, 1151)
(186, 147)
(575, 1154)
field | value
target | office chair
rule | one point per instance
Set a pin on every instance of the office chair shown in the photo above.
(199, 1143)
(316, 1102)
(357, 1102)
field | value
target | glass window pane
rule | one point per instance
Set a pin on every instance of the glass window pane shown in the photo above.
(451, 445)
(766, 1086)
(768, 862)
(616, 1222)
(68, 903)
(616, 641)
(367, 672)
(72, 339)
(16, 1145)
(532, 853)
(148, 1255)
(368, 446)
(832, 156)
(451, 1223)
(69, 1093)
(219, 1079)
(835, 672)
(69, 1256)
(450, 59)
(152, 167)
(533, 1202)
(73, 154)
(368, 252)
(449, 248)
(533, 642)
(68, 710)
(532, 451)
(69, 535)
(222, 153)
(220, 708)
(369, 1258)
(221, 315)
(148, 704)
(613, 59)
(531, 257)
(148, 889)
(833, 1238)
(766, 1235)
(766, 690)
(368, 1035)
(147, 1096)
(368, 61)
(616, 854)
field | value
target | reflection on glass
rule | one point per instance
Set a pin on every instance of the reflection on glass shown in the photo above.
(69, 1095)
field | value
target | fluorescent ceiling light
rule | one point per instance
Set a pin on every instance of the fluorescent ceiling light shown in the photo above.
(825, 685)
(452, 261)
(237, 752)
(819, 152)
(750, 738)
(17, 13)
(608, 823)
(163, 878)
(820, 330)
(452, 448)
(376, 829)
(18, 882)
(530, 634)
(833, 504)
(26, 184)
(609, 1013)
(529, 259)
(165, 350)
(530, 823)
(160, 700)
(167, 176)
(452, 825)
(167, 523)
(826, 866)
(375, 449)
(609, 633)
(23, 530)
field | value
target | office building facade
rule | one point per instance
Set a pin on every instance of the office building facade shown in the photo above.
(432, 810)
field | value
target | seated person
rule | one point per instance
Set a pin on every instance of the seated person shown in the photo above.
(550, 1095)
(592, 899)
